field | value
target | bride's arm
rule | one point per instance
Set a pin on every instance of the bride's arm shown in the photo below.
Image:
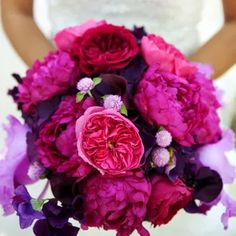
(25, 36)
(220, 51)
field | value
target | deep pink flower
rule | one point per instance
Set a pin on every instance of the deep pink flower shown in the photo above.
(57, 140)
(184, 107)
(166, 199)
(65, 38)
(56, 74)
(117, 202)
(108, 141)
(156, 50)
(14, 163)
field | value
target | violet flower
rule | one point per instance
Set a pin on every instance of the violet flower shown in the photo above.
(14, 163)
(23, 206)
(56, 222)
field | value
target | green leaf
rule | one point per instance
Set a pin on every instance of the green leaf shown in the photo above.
(123, 110)
(96, 81)
(37, 204)
(79, 97)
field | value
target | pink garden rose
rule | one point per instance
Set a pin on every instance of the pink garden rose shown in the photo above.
(187, 108)
(57, 140)
(156, 50)
(166, 199)
(55, 75)
(108, 141)
(117, 202)
(65, 38)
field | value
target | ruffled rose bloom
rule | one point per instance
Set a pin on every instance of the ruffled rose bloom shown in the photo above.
(105, 48)
(108, 141)
(57, 140)
(185, 107)
(156, 50)
(116, 202)
(14, 163)
(166, 199)
(65, 38)
(56, 74)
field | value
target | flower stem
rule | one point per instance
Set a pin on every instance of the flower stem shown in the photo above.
(44, 191)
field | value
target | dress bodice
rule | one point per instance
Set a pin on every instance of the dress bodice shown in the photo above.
(175, 20)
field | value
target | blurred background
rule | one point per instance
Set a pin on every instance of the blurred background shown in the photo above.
(183, 224)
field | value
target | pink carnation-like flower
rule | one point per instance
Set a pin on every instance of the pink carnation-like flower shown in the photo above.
(57, 140)
(166, 199)
(156, 50)
(117, 202)
(56, 74)
(65, 38)
(184, 107)
(108, 141)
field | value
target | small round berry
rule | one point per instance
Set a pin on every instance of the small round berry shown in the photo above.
(113, 102)
(163, 138)
(85, 85)
(160, 157)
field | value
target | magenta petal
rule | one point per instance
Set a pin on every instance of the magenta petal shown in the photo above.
(12, 157)
(230, 211)
(214, 156)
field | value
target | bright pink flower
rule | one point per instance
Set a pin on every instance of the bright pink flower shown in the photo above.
(156, 50)
(166, 199)
(57, 140)
(117, 202)
(108, 141)
(65, 38)
(184, 107)
(56, 74)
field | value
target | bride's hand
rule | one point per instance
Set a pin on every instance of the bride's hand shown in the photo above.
(220, 51)
(25, 36)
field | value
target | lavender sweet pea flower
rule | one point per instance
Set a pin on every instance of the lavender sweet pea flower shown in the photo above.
(13, 163)
(230, 211)
(214, 156)
(23, 207)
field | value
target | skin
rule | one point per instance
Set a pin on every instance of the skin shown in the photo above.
(30, 43)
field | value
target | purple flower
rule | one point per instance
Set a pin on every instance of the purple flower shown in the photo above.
(22, 205)
(14, 163)
(56, 222)
(230, 211)
(214, 156)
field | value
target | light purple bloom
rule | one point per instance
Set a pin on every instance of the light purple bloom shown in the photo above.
(14, 163)
(160, 157)
(36, 170)
(25, 211)
(163, 138)
(85, 85)
(230, 211)
(113, 102)
(205, 69)
(214, 156)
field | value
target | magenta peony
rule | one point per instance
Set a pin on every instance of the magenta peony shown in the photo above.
(184, 107)
(56, 74)
(156, 50)
(57, 140)
(108, 141)
(65, 38)
(166, 199)
(117, 202)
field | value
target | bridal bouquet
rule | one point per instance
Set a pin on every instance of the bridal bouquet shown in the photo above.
(123, 128)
